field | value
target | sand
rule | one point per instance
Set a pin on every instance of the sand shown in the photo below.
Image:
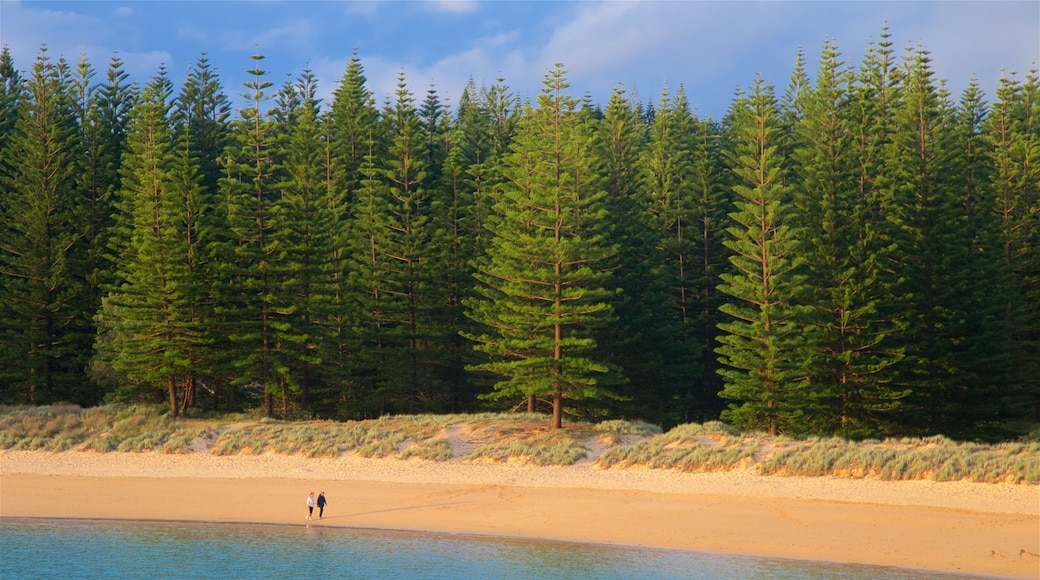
(972, 528)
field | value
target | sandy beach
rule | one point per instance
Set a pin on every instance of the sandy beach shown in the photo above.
(972, 528)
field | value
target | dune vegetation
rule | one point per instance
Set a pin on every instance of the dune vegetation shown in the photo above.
(522, 438)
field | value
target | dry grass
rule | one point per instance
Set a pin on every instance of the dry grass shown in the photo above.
(712, 446)
(108, 428)
(936, 458)
(522, 438)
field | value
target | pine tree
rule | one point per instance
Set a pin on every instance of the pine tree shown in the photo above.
(545, 290)
(361, 394)
(853, 370)
(103, 112)
(46, 334)
(256, 270)
(355, 143)
(642, 319)
(667, 203)
(354, 117)
(11, 95)
(991, 358)
(149, 324)
(1013, 146)
(201, 127)
(305, 236)
(765, 346)
(943, 268)
(405, 264)
(482, 128)
(202, 110)
(711, 204)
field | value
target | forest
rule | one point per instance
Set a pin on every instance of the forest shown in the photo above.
(854, 254)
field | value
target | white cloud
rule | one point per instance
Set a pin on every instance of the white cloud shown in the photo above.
(24, 30)
(293, 35)
(123, 12)
(364, 7)
(144, 65)
(452, 6)
(979, 39)
(192, 33)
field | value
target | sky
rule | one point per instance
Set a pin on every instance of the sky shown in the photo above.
(710, 48)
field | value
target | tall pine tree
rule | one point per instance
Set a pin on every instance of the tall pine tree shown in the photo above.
(47, 331)
(765, 346)
(545, 289)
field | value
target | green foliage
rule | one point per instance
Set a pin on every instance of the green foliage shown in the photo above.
(544, 284)
(764, 346)
(879, 275)
(44, 298)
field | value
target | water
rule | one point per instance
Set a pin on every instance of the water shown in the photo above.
(41, 548)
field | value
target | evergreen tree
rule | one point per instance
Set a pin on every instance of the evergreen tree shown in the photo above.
(765, 346)
(46, 334)
(202, 110)
(354, 117)
(711, 205)
(682, 206)
(201, 127)
(642, 317)
(305, 236)
(148, 321)
(11, 95)
(1013, 147)
(362, 394)
(482, 129)
(991, 357)
(404, 263)
(545, 289)
(355, 144)
(103, 112)
(667, 203)
(853, 371)
(942, 267)
(254, 321)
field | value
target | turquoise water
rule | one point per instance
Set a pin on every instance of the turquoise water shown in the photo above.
(43, 548)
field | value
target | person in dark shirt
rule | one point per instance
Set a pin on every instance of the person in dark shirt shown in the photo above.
(321, 504)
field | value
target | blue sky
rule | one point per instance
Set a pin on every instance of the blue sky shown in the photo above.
(710, 47)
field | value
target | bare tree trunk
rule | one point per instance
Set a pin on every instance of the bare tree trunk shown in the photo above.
(285, 398)
(557, 418)
(172, 387)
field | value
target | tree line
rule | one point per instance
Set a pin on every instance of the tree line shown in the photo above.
(857, 254)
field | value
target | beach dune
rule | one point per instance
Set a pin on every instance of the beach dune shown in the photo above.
(973, 528)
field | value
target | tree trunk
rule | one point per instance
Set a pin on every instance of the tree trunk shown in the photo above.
(530, 403)
(557, 418)
(285, 398)
(172, 387)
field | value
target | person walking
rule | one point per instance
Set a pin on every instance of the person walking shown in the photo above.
(321, 504)
(310, 505)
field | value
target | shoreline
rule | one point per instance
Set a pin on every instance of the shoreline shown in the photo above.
(970, 528)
